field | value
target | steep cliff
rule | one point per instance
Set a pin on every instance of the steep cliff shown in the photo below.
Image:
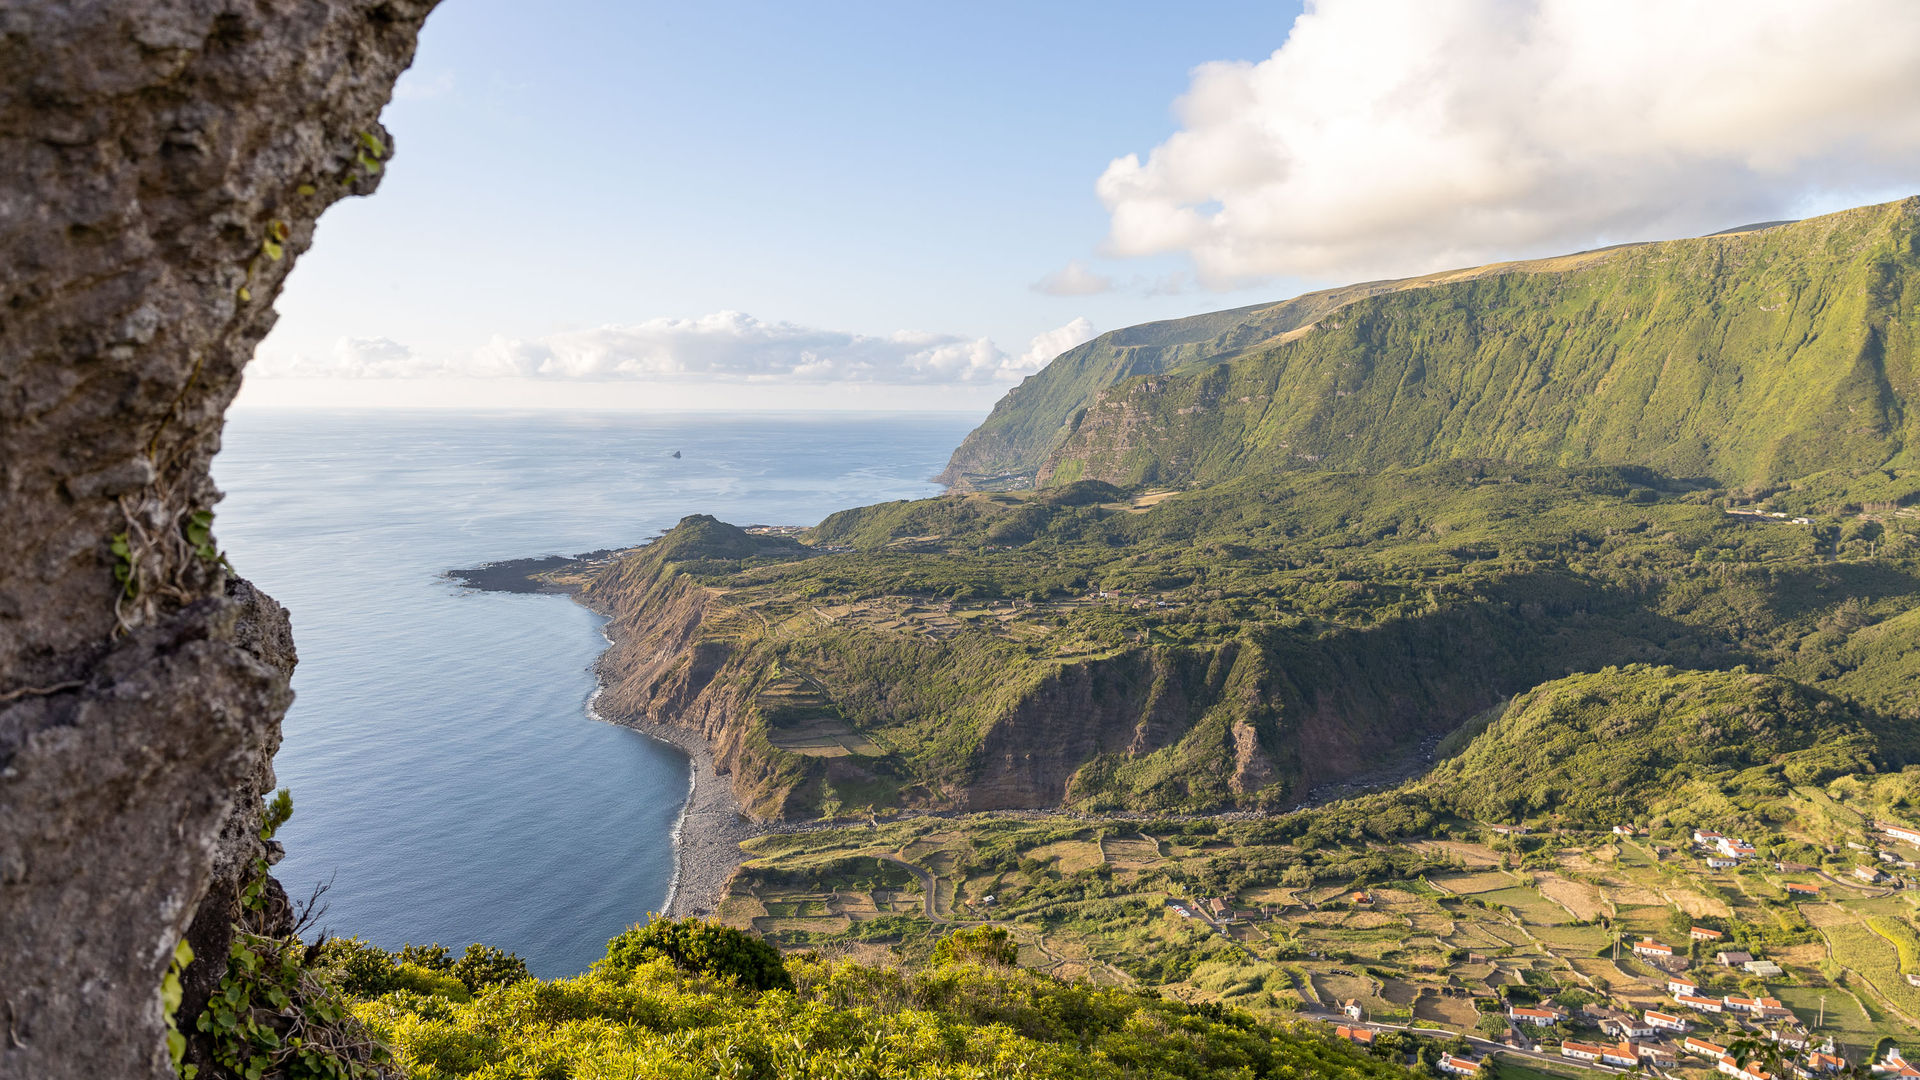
(1027, 425)
(161, 165)
(1748, 358)
(1235, 647)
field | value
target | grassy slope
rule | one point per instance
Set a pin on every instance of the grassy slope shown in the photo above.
(1747, 358)
(1622, 744)
(1034, 417)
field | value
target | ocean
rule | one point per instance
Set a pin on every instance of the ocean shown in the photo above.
(447, 778)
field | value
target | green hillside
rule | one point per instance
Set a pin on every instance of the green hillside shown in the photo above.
(1746, 358)
(1033, 419)
(1619, 744)
(1238, 645)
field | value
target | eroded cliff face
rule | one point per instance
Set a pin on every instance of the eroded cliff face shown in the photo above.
(161, 166)
(1257, 722)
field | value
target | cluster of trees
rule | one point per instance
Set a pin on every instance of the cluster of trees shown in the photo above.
(363, 969)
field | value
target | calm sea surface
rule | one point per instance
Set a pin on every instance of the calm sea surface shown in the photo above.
(446, 777)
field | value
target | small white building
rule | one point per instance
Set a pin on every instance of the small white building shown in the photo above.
(1900, 832)
(1660, 1021)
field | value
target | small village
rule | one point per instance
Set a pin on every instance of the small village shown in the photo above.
(1609, 951)
(1658, 1040)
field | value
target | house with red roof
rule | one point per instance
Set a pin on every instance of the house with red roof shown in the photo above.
(1660, 1021)
(1899, 832)
(1820, 1064)
(1363, 1036)
(1582, 1051)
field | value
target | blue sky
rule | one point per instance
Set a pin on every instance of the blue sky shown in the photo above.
(650, 205)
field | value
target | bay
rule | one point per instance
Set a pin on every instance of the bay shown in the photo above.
(446, 776)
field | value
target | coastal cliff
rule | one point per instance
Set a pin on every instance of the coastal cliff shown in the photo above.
(833, 681)
(1380, 536)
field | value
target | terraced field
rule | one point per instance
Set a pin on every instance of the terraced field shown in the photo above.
(1102, 901)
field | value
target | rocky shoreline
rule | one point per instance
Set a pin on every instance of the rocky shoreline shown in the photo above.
(711, 828)
(712, 825)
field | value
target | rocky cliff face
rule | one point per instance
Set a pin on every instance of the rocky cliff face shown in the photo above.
(161, 166)
(1257, 721)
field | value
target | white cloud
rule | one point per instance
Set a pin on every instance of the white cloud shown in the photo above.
(724, 347)
(415, 85)
(1074, 279)
(1398, 136)
(365, 358)
(1044, 347)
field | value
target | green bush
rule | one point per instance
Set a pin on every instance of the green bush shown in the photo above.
(434, 957)
(700, 947)
(423, 980)
(979, 944)
(359, 968)
(482, 966)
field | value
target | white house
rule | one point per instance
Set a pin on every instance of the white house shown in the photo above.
(1626, 1027)
(1694, 1045)
(1900, 832)
(1583, 1051)
(1458, 1066)
(1667, 1022)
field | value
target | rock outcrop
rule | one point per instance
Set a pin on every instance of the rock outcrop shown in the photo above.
(161, 165)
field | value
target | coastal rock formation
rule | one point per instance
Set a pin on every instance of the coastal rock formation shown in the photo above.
(161, 166)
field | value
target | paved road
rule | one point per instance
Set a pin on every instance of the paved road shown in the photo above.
(925, 879)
